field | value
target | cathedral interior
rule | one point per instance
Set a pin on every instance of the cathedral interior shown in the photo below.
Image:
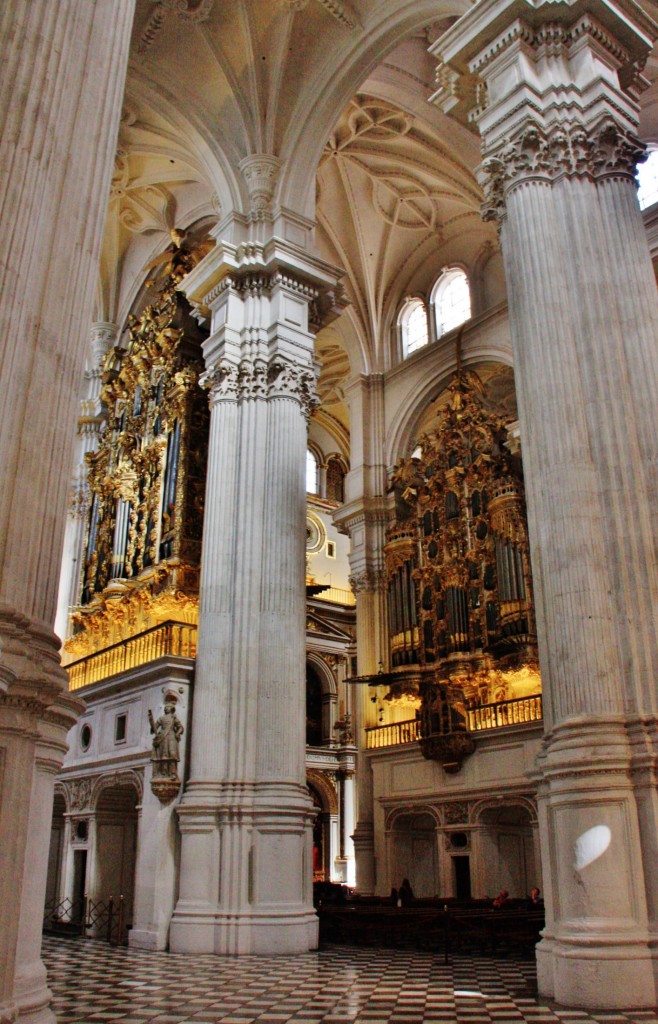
(328, 518)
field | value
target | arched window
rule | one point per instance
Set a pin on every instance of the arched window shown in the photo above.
(312, 475)
(335, 479)
(452, 300)
(412, 322)
(647, 176)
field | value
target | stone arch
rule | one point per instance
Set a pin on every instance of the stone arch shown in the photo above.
(317, 108)
(505, 831)
(528, 804)
(395, 813)
(325, 789)
(62, 791)
(321, 692)
(412, 837)
(422, 392)
(119, 779)
(326, 674)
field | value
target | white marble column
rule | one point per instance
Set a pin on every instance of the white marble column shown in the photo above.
(372, 647)
(347, 825)
(64, 66)
(558, 124)
(245, 816)
(364, 517)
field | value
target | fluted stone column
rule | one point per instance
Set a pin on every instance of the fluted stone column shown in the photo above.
(552, 88)
(245, 817)
(364, 517)
(63, 70)
(103, 337)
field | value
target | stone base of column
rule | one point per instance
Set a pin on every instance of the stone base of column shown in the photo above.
(36, 713)
(596, 946)
(244, 933)
(364, 856)
(33, 997)
(246, 871)
(605, 978)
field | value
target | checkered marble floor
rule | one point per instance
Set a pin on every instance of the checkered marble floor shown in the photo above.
(92, 981)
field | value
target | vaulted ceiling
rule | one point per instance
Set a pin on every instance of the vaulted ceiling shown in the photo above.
(337, 91)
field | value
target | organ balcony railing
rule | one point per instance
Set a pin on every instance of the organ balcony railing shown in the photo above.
(168, 638)
(390, 735)
(501, 715)
(505, 713)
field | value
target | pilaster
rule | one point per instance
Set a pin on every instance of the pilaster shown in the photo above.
(552, 88)
(364, 517)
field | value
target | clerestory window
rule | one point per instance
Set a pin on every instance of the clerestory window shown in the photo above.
(412, 322)
(451, 299)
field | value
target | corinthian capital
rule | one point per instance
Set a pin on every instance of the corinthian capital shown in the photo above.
(221, 381)
(551, 85)
(566, 151)
(252, 378)
(368, 580)
(287, 380)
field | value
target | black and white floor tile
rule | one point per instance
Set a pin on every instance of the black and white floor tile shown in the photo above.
(94, 982)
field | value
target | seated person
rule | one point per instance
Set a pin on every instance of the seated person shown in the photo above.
(502, 898)
(405, 892)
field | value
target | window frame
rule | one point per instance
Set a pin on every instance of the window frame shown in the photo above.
(410, 305)
(442, 286)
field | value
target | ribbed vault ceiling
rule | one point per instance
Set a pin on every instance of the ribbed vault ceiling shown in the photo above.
(333, 85)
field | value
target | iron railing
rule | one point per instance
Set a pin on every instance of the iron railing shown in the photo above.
(104, 919)
(173, 638)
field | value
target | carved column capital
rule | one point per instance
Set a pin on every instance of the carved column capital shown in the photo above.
(552, 89)
(565, 151)
(368, 580)
(221, 380)
(288, 380)
(258, 379)
(260, 172)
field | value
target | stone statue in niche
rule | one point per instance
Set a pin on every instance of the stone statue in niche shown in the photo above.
(167, 731)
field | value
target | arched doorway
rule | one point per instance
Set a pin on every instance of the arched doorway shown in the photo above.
(414, 852)
(116, 849)
(55, 860)
(507, 858)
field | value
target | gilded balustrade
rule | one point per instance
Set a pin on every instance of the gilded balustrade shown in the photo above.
(168, 638)
(502, 715)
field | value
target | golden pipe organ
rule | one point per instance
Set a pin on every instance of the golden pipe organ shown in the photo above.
(147, 476)
(458, 571)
